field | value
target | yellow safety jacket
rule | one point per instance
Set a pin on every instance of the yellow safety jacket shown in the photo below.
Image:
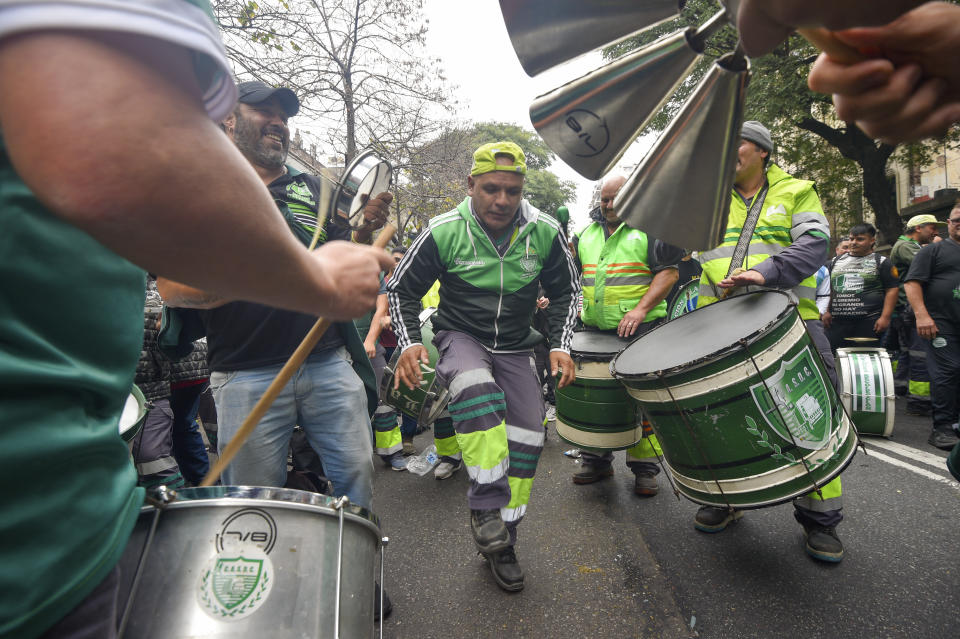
(791, 208)
(616, 275)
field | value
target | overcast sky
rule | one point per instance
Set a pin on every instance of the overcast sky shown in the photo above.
(476, 54)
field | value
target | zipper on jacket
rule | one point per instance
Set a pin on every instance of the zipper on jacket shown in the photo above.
(496, 320)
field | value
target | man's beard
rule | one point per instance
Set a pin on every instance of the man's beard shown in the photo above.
(249, 140)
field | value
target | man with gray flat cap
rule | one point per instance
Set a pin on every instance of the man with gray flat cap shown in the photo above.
(788, 245)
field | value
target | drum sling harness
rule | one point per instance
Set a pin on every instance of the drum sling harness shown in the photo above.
(746, 233)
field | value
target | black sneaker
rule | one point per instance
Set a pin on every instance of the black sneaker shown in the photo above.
(489, 532)
(943, 439)
(387, 604)
(506, 569)
(713, 519)
(590, 473)
(645, 484)
(823, 543)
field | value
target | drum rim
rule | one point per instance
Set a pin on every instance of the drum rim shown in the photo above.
(714, 356)
(138, 424)
(605, 356)
(265, 496)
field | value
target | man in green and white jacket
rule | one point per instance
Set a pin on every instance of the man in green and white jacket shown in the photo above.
(491, 254)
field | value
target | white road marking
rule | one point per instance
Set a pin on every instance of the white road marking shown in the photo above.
(917, 455)
(914, 469)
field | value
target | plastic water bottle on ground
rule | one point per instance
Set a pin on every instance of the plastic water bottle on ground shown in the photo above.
(424, 462)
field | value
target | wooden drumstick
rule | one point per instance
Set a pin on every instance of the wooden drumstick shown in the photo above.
(293, 364)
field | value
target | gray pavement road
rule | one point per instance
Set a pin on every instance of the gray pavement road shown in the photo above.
(600, 561)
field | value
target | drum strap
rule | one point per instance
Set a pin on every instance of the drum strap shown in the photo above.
(746, 233)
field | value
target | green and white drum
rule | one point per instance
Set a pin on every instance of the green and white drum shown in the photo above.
(866, 388)
(685, 300)
(740, 401)
(133, 415)
(426, 402)
(595, 412)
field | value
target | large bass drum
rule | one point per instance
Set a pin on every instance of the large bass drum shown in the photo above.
(250, 562)
(595, 412)
(740, 400)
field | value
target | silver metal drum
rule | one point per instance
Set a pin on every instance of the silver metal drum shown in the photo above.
(236, 561)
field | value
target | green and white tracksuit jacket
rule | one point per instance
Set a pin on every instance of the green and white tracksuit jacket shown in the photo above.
(483, 329)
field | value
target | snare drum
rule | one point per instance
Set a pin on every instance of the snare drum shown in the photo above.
(595, 412)
(133, 416)
(741, 402)
(251, 562)
(425, 403)
(866, 383)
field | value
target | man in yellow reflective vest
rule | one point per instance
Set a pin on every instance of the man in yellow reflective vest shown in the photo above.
(788, 245)
(625, 276)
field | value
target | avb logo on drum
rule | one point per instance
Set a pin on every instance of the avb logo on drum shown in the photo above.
(251, 526)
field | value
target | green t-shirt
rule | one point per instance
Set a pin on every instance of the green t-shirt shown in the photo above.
(71, 328)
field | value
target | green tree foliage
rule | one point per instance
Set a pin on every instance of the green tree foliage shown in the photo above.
(847, 166)
(435, 180)
(358, 66)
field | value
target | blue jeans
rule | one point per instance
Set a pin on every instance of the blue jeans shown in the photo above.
(326, 398)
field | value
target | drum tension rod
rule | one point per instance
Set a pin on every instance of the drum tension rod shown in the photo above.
(683, 416)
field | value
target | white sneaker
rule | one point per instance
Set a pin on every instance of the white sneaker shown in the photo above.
(445, 469)
(551, 413)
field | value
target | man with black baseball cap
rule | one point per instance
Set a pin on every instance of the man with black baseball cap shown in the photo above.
(255, 92)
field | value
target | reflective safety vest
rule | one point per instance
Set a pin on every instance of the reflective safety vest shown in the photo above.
(790, 209)
(616, 275)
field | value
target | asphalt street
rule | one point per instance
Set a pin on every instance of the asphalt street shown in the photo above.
(600, 561)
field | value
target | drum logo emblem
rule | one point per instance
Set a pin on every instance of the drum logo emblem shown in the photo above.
(795, 403)
(235, 584)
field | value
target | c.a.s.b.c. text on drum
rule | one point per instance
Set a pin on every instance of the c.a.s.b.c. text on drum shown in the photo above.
(595, 412)
(740, 401)
(251, 562)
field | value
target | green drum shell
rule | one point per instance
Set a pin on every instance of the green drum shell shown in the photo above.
(130, 431)
(415, 403)
(682, 301)
(866, 389)
(719, 447)
(595, 413)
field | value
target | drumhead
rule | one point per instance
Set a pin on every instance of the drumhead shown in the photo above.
(597, 345)
(706, 331)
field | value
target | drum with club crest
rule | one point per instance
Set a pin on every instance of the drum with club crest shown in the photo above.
(250, 562)
(595, 412)
(740, 401)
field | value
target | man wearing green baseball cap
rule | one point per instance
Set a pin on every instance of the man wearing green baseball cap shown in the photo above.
(911, 377)
(491, 254)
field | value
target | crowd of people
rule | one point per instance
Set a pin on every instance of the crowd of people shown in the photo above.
(128, 150)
